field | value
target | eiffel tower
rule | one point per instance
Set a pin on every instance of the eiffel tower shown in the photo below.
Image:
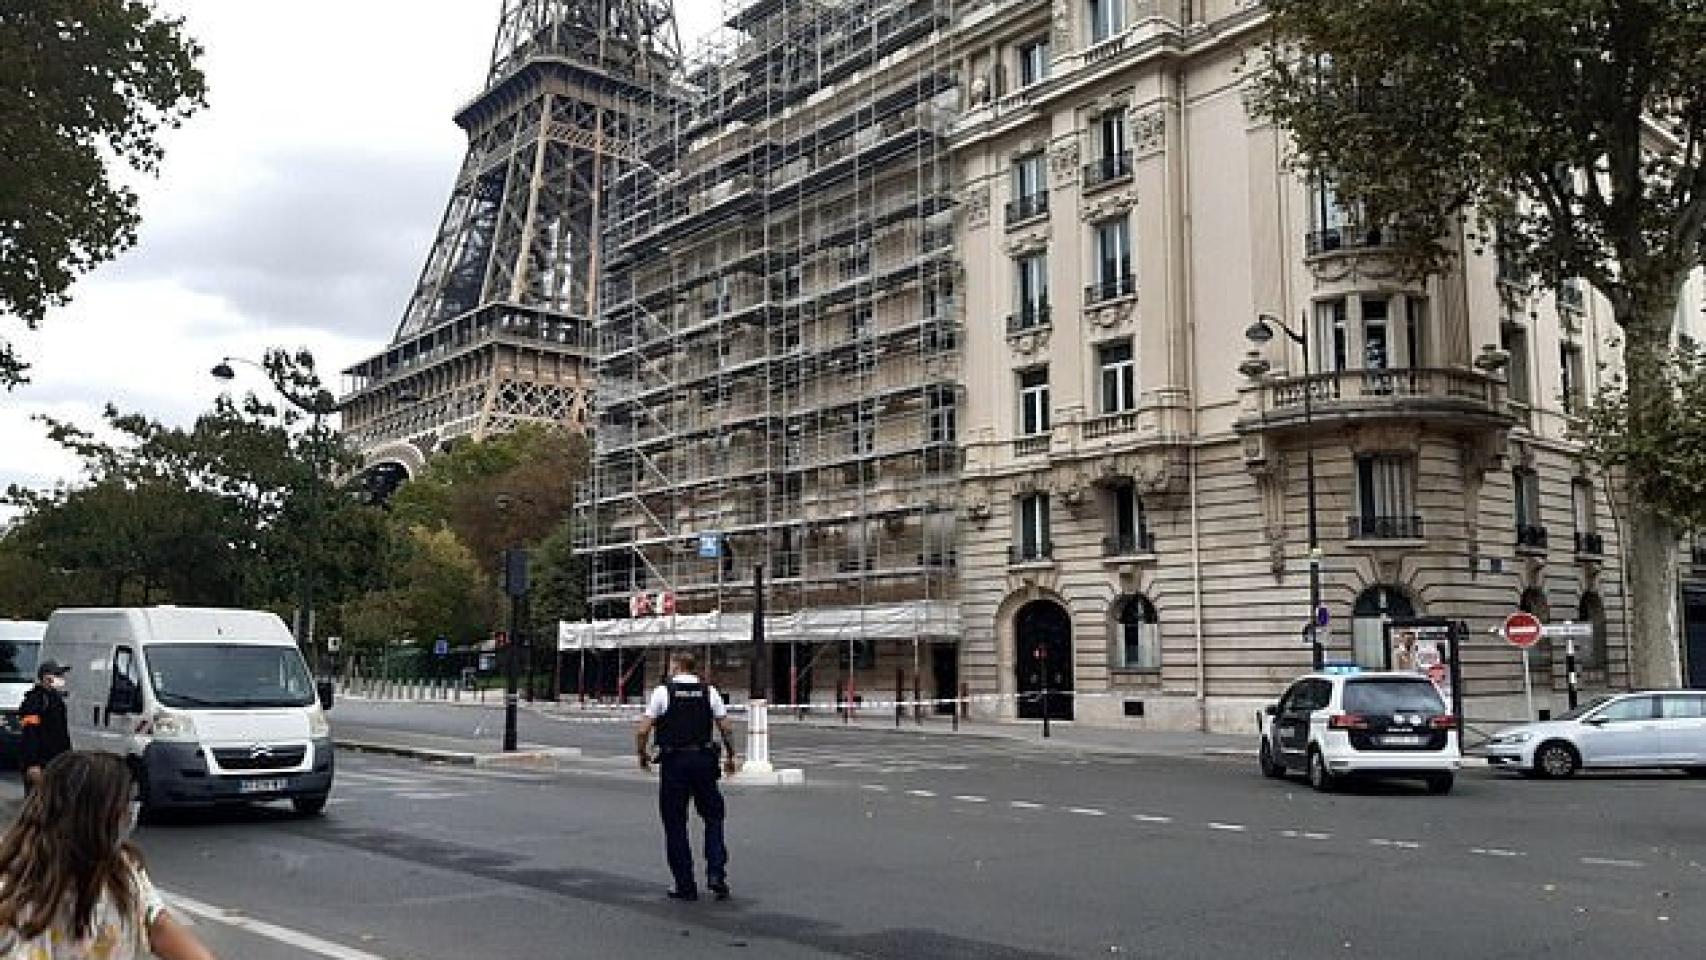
(500, 328)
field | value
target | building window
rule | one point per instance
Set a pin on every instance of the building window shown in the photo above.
(1130, 534)
(1330, 219)
(1112, 158)
(1113, 261)
(865, 431)
(1386, 498)
(1032, 537)
(1513, 340)
(1107, 19)
(1415, 332)
(1376, 343)
(1030, 189)
(1033, 401)
(1573, 391)
(943, 415)
(1332, 342)
(1525, 485)
(1588, 540)
(1031, 291)
(1118, 377)
(1033, 61)
(1139, 633)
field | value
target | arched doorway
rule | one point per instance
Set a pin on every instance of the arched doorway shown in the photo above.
(1373, 607)
(1042, 660)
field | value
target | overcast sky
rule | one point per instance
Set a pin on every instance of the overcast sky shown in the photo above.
(294, 212)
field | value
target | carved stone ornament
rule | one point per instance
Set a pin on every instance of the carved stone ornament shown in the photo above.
(1063, 162)
(1149, 131)
(1386, 438)
(1029, 342)
(1270, 488)
(1063, 10)
(977, 207)
(1356, 267)
(1027, 242)
(1114, 315)
(1105, 205)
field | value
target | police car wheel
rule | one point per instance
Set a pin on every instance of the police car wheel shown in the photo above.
(1320, 777)
(1271, 768)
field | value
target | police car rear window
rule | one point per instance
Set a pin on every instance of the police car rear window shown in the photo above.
(1381, 696)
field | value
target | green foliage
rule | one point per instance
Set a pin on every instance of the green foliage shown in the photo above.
(1577, 126)
(558, 584)
(433, 588)
(1665, 463)
(82, 83)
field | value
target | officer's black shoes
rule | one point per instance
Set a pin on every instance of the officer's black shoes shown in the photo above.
(688, 894)
(719, 887)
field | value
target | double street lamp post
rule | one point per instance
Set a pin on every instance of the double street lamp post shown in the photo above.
(1260, 334)
(317, 404)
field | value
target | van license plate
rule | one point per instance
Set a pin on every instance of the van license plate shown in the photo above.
(261, 786)
(1402, 740)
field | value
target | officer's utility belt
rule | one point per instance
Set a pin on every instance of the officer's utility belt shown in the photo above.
(695, 748)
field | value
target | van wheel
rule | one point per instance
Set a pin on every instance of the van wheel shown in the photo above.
(1556, 759)
(1440, 783)
(1320, 777)
(309, 806)
(1271, 768)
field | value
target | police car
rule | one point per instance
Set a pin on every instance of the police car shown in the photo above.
(1334, 725)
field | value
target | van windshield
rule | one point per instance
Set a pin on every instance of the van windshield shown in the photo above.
(218, 675)
(18, 660)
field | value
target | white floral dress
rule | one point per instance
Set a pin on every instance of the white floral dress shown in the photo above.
(111, 938)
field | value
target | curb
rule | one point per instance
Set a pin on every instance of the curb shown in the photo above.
(547, 757)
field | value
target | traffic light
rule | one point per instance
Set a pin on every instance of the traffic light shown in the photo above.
(514, 572)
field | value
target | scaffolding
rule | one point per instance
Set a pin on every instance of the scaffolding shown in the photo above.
(778, 347)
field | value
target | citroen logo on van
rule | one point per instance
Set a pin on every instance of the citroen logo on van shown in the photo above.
(260, 751)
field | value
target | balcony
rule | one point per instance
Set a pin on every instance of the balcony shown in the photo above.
(1109, 169)
(1033, 316)
(1110, 424)
(1347, 238)
(1031, 446)
(1025, 209)
(1590, 544)
(1020, 553)
(1530, 536)
(1383, 528)
(1133, 544)
(1465, 397)
(1110, 288)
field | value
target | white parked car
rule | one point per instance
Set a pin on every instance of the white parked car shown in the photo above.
(1659, 728)
(1333, 726)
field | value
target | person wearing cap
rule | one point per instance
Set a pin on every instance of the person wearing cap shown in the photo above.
(42, 718)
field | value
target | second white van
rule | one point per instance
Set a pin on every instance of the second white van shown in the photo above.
(211, 706)
(20, 647)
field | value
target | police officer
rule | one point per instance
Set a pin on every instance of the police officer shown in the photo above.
(682, 712)
(41, 716)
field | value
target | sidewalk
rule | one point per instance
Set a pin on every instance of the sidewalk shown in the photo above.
(453, 750)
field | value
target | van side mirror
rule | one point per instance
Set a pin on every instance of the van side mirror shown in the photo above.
(125, 697)
(324, 689)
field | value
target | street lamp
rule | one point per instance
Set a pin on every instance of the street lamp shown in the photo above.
(1260, 334)
(318, 405)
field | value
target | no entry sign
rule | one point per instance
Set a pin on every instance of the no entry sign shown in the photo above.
(1522, 629)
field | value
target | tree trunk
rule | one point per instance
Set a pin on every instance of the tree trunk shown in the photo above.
(1649, 558)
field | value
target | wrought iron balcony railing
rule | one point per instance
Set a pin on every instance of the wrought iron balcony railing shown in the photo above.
(1030, 552)
(1349, 237)
(1120, 285)
(1030, 317)
(1132, 544)
(1590, 544)
(1384, 528)
(1531, 535)
(1021, 209)
(1114, 166)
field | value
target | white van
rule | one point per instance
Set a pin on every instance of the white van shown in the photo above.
(210, 706)
(20, 649)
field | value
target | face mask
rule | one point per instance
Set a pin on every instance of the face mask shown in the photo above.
(56, 684)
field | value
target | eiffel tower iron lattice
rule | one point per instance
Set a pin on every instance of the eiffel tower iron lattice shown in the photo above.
(499, 330)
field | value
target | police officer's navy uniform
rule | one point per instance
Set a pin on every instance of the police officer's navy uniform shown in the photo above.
(42, 720)
(686, 710)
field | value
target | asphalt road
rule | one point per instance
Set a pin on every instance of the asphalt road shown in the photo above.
(943, 847)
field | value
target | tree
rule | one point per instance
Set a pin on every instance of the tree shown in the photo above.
(82, 83)
(1665, 466)
(1574, 128)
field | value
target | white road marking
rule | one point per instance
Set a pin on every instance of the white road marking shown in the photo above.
(1024, 805)
(1496, 852)
(1399, 844)
(284, 935)
(1310, 835)
(874, 787)
(1609, 862)
(1150, 818)
(1087, 811)
(921, 793)
(968, 798)
(1228, 827)
(430, 795)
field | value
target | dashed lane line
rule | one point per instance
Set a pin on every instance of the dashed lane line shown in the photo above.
(1612, 862)
(1227, 827)
(1087, 811)
(1496, 852)
(1397, 844)
(921, 793)
(1024, 805)
(969, 798)
(874, 787)
(1151, 818)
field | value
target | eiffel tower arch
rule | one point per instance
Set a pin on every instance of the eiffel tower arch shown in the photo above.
(500, 328)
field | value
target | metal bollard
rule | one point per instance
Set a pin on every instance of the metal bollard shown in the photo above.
(757, 738)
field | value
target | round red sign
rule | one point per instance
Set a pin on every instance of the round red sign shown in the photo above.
(1522, 629)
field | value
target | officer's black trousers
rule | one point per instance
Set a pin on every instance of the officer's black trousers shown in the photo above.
(691, 775)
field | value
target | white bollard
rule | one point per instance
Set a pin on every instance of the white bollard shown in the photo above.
(757, 738)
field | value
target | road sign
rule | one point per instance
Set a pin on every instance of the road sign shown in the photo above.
(441, 647)
(1522, 629)
(1581, 630)
(710, 545)
(1322, 617)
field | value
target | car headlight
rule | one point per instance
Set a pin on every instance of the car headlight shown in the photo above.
(1513, 738)
(167, 725)
(318, 726)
